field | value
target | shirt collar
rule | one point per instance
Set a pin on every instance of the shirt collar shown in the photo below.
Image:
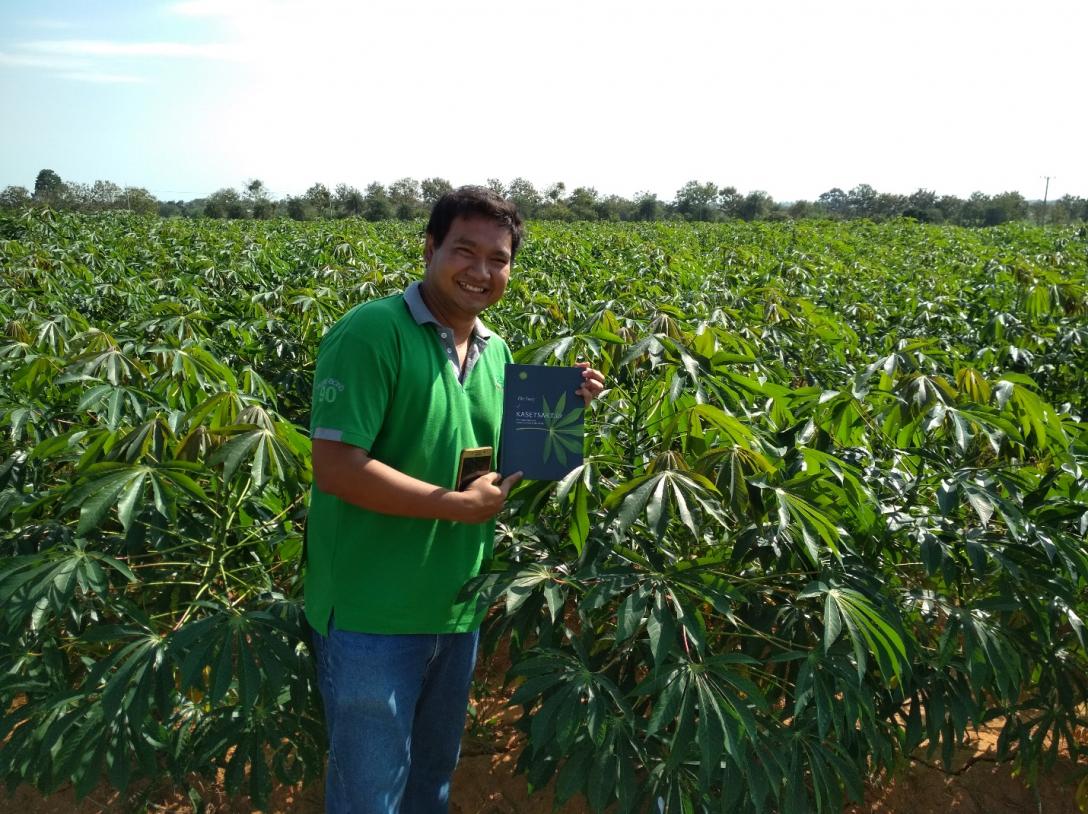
(423, 316)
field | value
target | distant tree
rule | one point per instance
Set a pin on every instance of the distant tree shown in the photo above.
(182, 209)
(729, 201)
(73, 196)
(525, 197)
(408, 199)
(950, 208)
(348, 201)
(319, 200)
(261, 206)
(799, 210)
(647, 207)
(1004, 208)
(888, 205)
(973, 210)
(556, 211)
(48, 188)
(554, 193)
(255, 189)
(1067, 209)
(225, 203)
(1036, 214)
(834, 203)
(376, 203)
(695, 201)
(299, 207)
(105, 195)
(431, 189)
(757, 205)
(861, 202)
(236, 210)
(14, 197)
(582, 204)
(263, 209)
(615, 208)
(171, 209)
(922, 198)
(551, 204)
(922, 206)
(404, 195)
(139, 200)
(1080, 209)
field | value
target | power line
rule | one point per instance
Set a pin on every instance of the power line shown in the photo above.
(1046, 191)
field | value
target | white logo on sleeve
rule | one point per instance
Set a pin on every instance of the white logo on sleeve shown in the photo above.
(327, 390)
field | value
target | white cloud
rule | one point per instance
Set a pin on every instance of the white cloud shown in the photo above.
(92, 60)
(108, 48)
(50, 24)
(102, 78)
(48, 63)
(789, 96)
(216, 8)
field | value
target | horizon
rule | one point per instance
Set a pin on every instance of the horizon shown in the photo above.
(280, 197)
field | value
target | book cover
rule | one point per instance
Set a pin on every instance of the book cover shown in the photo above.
(541, 421)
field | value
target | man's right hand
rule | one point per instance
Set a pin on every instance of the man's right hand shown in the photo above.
(349, 473)
(485, 496)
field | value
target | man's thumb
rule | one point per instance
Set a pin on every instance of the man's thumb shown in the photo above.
(508, 483)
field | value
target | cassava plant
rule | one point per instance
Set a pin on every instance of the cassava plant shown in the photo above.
(833, 508)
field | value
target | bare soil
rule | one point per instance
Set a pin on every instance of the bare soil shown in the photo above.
(485, 782)
(976, 784)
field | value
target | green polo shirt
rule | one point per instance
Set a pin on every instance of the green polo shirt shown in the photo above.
(384, 382)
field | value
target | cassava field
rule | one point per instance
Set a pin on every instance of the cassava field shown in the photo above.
(833, 511)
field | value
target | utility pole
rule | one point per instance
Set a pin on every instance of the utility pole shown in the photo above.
(1046, 191)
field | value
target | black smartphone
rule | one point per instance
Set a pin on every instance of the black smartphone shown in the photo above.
(475, 461)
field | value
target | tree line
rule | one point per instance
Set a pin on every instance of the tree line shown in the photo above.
(407, 199)
(51, 190)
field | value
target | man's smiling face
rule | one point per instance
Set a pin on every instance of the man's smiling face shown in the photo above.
(469, 270)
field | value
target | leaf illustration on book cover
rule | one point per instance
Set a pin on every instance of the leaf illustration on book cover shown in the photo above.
(563, 432)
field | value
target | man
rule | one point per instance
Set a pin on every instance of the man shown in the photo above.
(403, 385)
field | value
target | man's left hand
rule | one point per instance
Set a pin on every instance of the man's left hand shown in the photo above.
(592, 383)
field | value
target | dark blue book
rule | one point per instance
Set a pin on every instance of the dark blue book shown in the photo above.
(541, 421)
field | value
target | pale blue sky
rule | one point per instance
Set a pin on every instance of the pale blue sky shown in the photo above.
(789, 96)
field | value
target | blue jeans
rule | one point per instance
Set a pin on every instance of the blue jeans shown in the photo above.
(395, 710)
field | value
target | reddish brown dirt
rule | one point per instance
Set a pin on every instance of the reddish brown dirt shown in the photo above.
(977, 784)
(485, 782)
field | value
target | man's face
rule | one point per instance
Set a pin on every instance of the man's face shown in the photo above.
(471, 268)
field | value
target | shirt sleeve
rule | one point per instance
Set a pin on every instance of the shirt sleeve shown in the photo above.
(353, 382)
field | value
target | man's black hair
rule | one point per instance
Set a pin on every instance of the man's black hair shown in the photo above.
(468, 202)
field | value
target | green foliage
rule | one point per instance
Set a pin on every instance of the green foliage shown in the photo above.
(833, 507)
(408, 199)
